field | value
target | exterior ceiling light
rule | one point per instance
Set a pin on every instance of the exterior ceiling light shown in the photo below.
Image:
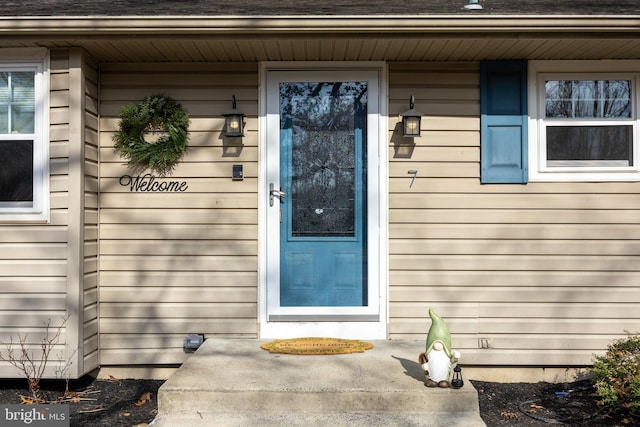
(473, 5)
(234, 121)
(411, 121)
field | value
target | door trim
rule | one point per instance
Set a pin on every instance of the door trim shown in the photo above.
(368, 322)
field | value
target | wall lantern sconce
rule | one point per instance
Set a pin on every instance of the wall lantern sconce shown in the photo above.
(411, 121)
(234, 121)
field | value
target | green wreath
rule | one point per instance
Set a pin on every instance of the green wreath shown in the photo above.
(155, 114)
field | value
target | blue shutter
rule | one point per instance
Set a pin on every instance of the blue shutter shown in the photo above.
(503, 123)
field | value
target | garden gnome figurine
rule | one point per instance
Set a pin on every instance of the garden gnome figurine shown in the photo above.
(439, 357)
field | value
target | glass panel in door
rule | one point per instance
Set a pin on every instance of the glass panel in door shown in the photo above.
(322, 174)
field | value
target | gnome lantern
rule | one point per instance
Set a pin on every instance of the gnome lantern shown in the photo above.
(456, 381)
(439, 357)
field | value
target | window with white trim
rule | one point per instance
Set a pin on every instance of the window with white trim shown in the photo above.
(585, 123)
(24, 172)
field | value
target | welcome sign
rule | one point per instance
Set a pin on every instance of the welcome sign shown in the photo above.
(34, 415)
(151, 183)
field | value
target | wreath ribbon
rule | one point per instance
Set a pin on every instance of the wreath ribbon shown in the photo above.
(157, 114)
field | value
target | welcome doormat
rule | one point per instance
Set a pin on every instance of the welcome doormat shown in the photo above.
(316, 346)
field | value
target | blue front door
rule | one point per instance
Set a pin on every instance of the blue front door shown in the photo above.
(323, 180)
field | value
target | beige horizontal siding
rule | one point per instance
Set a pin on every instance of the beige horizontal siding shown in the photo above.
(213, 200)
(594, 232)
(185, 310)
(151, 262)
(197, 170)
(185, 262)
(194, 154)
(205, 279)
(176, 327)
(489, 277)
(145, 356)
(500, 245)
(182, 294)
(179, 231)
(29, 251)
(511, 216)
(11, 284)
(480, 262)
(178, 216)
(547, 273)
(33, 234)
(493, 310)
(33, 258)
(182, 247)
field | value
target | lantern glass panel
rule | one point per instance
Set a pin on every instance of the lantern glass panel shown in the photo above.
(411, 126)
(234, 125)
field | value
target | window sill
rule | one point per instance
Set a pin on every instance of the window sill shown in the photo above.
(24, 218)
(623, 176)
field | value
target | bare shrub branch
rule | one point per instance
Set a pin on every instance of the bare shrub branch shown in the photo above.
(24, 359)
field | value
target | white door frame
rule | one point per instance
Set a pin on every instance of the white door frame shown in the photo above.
(285, 322)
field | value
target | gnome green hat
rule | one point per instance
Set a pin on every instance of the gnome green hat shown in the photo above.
(439, 332)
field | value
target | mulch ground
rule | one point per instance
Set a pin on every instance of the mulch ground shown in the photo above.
(133, 402)
(95, 402)
(539, 404)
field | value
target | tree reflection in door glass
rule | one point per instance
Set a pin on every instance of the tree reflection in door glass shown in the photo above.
(327, 121)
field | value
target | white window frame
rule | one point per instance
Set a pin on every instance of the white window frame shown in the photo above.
(541, 71)
(36, 60)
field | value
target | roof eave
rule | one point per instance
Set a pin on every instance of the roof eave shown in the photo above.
(184, 25)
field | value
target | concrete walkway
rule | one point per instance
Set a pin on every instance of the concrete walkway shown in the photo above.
(233, 382)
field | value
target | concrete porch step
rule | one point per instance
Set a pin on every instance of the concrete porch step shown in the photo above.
(234, 382)
(306, 419)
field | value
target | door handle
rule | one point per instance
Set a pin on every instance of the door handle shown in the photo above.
(275, 193)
